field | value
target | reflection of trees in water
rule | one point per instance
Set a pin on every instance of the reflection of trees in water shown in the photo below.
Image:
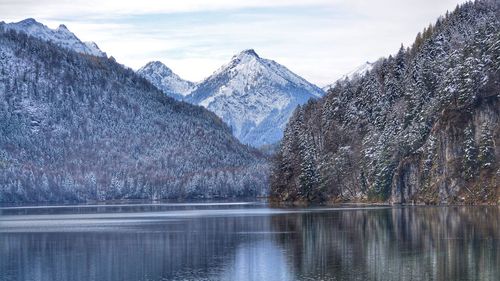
(418, 243)
(190, 249)
(422, 243)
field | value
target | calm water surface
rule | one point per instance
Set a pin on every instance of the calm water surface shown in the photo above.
(248, 241)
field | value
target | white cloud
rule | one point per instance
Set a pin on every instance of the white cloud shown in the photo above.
(319, 39)
(52, 8)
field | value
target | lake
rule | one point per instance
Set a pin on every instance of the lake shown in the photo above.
(248, 241)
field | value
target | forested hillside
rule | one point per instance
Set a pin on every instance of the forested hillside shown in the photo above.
(421, 126)
(81, 127)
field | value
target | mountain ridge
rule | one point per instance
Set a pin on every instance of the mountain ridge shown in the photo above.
(60, 36)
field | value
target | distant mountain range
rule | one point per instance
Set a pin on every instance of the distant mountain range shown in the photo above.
(253, 95)
(77, 126)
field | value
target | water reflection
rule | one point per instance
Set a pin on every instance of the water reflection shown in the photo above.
(249, 242)
(422, 243)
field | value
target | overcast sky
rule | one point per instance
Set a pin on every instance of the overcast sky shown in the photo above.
(318, 39)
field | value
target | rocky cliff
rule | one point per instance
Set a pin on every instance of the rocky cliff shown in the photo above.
(457, 162)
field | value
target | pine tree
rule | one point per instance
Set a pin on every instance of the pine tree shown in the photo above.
(486, 155)
(469, 160)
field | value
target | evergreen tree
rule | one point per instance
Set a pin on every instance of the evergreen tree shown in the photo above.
(469, 161)
(486, 155)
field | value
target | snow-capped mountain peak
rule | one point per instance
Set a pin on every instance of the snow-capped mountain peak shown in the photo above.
(60, 36)
(255, 96)
(29, 22)
(159, 67)
(353, 74)
(249, 53)
(166, 80)
(359, 71)
(62, 28)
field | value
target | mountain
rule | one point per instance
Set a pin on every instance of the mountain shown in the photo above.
(60, 36)
(422, 126)
(254, 96)
(356, 73)
(75, 127)
(166, 80)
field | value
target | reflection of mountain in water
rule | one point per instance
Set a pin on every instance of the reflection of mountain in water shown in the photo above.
(459, 243)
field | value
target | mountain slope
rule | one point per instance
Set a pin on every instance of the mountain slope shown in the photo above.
(166, 80)
(255, 96)
(60, 36)
(76, 127)
(422, 126)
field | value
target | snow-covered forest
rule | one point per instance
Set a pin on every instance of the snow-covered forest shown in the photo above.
(421, 126)
(81, 127)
